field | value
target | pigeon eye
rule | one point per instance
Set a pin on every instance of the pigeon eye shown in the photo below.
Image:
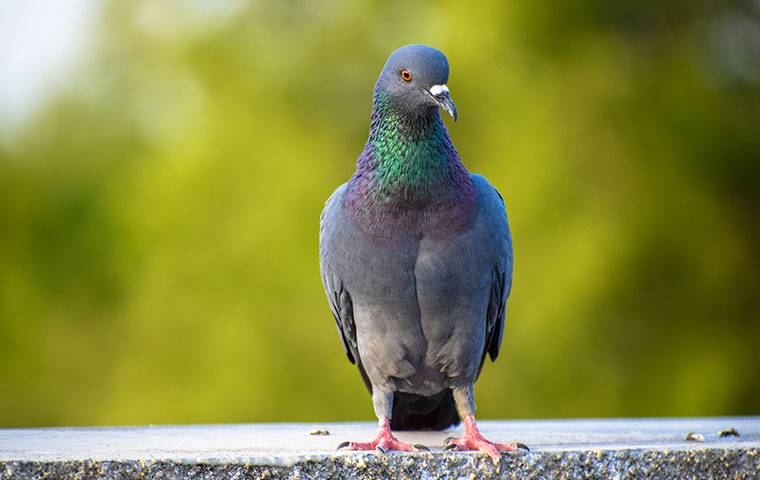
(406, 75)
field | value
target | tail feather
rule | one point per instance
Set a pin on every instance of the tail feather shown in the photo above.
(417, 412)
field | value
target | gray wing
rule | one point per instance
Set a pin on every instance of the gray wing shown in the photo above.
(342, 309)
(338, 297)
(501, 279)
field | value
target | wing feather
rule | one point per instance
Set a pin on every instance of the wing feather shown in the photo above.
(338, 296)
(501, 285)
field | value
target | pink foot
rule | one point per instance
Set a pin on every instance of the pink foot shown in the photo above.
(385, 441)
(473, 440)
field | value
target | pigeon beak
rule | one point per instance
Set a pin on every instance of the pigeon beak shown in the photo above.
(440, 94)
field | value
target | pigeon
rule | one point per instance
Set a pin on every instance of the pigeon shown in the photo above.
(416, 261)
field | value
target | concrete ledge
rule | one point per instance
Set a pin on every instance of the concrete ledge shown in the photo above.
(643, 448)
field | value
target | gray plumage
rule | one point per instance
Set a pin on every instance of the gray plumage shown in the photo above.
(417, 285)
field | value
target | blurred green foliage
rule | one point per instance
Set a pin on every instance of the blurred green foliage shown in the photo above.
(159, 215)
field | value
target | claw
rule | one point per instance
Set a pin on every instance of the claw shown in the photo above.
(383, 442)
(473, 440)
(420, 448)
(448, 440)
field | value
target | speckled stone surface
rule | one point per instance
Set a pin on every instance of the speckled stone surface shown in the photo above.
(625, 448)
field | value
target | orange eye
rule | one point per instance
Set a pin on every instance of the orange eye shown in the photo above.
(406, 75)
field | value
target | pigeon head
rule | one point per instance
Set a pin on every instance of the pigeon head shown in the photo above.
(413, 82)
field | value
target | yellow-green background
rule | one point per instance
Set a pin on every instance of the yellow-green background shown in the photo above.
(159, 213)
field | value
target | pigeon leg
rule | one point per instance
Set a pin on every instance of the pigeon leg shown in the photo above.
(474, 440)
(384, 441)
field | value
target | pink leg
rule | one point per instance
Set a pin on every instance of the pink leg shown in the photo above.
(473, 440)
(384, 441)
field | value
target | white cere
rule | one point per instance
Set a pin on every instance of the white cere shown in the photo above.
(439, 89)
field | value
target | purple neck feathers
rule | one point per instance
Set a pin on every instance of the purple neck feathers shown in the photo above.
(409, 178)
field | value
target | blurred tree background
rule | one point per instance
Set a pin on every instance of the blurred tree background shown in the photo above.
(159, 207)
